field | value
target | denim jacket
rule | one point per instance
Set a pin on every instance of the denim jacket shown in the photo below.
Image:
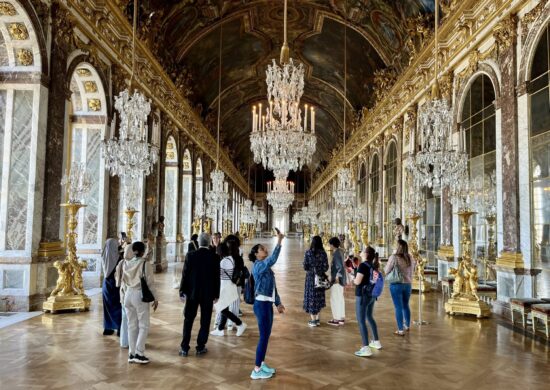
(264, 278)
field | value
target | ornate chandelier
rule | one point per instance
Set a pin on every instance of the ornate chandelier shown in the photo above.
(77, 183)
(248, 214)
(344, 194)
(217, 195)
(131, 155)
(280, 140)
(280, 194)
(438, 164)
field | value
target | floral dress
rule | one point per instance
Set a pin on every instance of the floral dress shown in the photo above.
(314, 299)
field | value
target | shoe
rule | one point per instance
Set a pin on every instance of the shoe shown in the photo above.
(375, 344)
(240, 313)
(342, 322)
(266, 368)
(131, 358)
(406, 328)
(399, 333)
(333, 322)
(317, 322)
(260, 374)
(364, 352)
(312, 323)
(241, 328)
(217, 332)
(108, 332)
(140, 359)
(184, 353)
(201, 351)
(229, 327)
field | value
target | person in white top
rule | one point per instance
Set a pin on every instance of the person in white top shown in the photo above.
(137, 311)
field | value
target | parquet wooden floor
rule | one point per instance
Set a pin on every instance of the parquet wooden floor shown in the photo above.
(68, 351)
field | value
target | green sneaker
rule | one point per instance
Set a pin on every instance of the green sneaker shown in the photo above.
(260, 374)
(266, 368)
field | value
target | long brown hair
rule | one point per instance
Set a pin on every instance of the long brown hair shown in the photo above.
(403, 251)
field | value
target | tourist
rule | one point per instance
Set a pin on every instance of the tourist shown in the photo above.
(137, 310)
(112, 308)
(200, 286)
(401, 292)
(265, 291)
(338, 280)
(216, 239)
(128, 255)
(315, 263)
(234, 244)
(228, 292)
(193, 244)
(366, 276)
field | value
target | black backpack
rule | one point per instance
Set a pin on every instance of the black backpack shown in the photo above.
(249, 293)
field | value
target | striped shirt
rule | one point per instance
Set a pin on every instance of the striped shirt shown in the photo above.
(227, 265)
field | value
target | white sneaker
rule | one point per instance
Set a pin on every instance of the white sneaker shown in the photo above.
(241, 328)
(217, 332)
(375, 344)
(363, 352)
(230, 326)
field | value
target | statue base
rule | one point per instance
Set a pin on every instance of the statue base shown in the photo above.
(460, 305)
(66, 302)
(425, 287)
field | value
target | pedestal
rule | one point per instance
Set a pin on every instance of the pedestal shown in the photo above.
(464, 306)
(161, 263)
(425, 286)
(61, 303)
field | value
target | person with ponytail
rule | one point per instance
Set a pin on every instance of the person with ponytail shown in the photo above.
(367, 273)
(265, 292)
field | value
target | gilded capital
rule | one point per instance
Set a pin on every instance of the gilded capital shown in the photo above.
(505, 33)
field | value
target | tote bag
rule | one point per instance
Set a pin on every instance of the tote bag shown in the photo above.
(395, 275)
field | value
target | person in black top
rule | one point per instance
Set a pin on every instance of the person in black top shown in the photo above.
(215, 245)
(367, 273)
(193, 244)
(200, 286)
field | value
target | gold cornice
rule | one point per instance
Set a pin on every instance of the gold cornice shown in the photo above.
(416, 80)
(105, 25)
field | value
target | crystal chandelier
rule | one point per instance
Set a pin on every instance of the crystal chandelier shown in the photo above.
(131, 155)
(199, 208)
(247, 212)
(280, 140)
(280, 194)
(77, 183)
(344, 194)
(217, 195)
(414, 196)
(438, 164)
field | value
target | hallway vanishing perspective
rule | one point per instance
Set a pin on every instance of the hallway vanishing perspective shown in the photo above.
(50, 352)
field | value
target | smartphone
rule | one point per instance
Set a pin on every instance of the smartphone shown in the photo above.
(277, 231)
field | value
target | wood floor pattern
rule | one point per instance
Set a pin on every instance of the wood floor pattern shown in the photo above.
(68, 351)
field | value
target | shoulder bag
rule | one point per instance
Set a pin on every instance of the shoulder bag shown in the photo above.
(146, 294)
(395, 275)
(321, 281)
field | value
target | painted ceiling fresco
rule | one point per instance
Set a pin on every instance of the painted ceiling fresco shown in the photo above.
(187, 42)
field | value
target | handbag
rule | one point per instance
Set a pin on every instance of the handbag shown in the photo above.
(146, 294)
(395, 275)
(321, 282)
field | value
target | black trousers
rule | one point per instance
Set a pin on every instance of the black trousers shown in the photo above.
(190, 312)
(225, 314)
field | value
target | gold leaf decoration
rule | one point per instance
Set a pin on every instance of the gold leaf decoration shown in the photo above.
(24, 57)
(18, 31)
(94, 105)
(7, 9)
(83, 72)
(90, 86)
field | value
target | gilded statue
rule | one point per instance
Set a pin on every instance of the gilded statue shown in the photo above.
(365, 234)
(206, 226)
(353, 239)
(77, 275)
(196, 226)
(64, 280)
(315, 230)
(465, 283)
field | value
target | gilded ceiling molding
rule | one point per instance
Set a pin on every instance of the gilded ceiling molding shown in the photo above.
(410, 122)
(460, 30)
(505, 33)
(530, 17)
(107, 27)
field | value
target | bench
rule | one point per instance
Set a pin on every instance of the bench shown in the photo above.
(523, 306)
(540, 311)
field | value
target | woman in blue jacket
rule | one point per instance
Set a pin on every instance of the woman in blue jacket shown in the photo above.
(265, 292)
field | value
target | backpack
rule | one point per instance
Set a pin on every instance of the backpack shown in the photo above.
(249, 293)
(240, 275)
(378, 284)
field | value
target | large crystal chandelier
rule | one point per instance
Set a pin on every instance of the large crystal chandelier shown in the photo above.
(130, 155)
(280, 194)
(280, 140)
(344, 194)
(218, 195)
(248, 214)
(438, 163)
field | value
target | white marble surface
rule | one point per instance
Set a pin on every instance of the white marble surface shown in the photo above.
(14, 318)
(524, 178)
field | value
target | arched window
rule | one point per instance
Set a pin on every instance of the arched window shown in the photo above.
(187, 199)
(362, 184)
(478, 121)
(87, 126)
(391, 192)
(171, 190)
(374, 206)
(539, 91)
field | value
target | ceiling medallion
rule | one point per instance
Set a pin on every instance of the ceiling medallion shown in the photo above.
(280, 140)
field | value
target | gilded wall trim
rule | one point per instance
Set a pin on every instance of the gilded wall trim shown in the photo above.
(471, 22)
(105, 25)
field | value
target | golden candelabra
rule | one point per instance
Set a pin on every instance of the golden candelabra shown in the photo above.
(226, 231)
(353, 238)
(364, 234)
(69, 290)
(419, 281)
(490, 260)
(196, 226)
(130, 222)
(315, 230)
(307, 234)
(464, 298)
(207, 226)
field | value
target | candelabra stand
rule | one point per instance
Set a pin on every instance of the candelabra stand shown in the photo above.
(307, 234)
(365, 234)
(464, 298)
(69, 290)
(491, 248)
(130, 222)
(353, 238)
(419, 281)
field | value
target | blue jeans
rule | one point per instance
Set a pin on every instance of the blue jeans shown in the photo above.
(363, 312)
(264, 314)
(400, 294)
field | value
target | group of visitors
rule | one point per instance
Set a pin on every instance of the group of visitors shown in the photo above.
(214, 275)
(365, 277)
